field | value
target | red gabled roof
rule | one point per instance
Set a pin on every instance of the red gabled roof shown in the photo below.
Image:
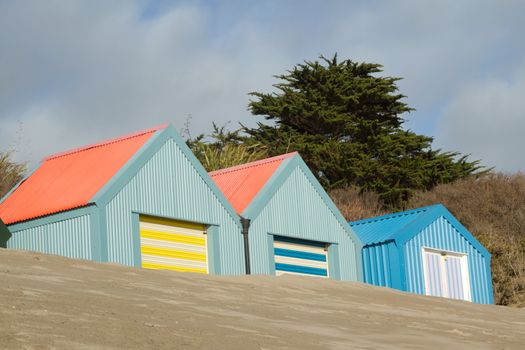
(70, 180)
(240, 184)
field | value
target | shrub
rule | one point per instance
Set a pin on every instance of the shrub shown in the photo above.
(356, 204)
(11, 172)
(215, 158)
(493, 209)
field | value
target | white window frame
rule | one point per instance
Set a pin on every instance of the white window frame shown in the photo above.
(444, 280)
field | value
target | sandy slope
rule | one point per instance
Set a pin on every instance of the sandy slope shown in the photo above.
(49, 302)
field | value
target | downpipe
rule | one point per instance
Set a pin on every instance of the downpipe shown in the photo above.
(245, 229)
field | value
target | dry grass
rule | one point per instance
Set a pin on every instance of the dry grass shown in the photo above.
(491, 207)
(10, 172)
(355, 204)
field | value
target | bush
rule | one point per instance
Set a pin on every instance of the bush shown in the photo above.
(493, 209)
(215, 158)
(355, 204)
(223, 148)
(10, 172)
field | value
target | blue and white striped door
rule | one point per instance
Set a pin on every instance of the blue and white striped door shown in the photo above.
(300, 257)
(434, 283)
(454, 277)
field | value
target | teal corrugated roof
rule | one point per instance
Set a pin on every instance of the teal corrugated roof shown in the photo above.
(385, 228)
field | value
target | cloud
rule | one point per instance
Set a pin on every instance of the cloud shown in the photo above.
(487, 119)
(76, 72)
(92, 73)
(86, 71)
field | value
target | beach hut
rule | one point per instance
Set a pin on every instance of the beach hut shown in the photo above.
(4, 234)
(425, 251)
(290, 224)
(141, 200)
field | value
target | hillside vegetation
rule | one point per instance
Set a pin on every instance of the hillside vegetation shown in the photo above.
(492, 207)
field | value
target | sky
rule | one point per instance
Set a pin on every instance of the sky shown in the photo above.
(78, 72)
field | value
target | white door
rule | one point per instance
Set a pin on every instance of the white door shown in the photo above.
(457, 277)
(434, 284)
(446, 274)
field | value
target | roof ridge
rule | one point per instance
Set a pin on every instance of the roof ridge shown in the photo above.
(252, 164)
(391, 215)
(104, 143)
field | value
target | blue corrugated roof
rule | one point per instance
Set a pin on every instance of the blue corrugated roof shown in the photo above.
(384, 228)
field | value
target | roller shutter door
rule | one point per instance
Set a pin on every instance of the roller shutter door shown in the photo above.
(300, 257)
(173, 245)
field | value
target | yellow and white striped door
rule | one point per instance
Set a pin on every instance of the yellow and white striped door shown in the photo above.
(173, 245)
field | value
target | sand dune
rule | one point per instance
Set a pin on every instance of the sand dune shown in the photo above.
(49, 302)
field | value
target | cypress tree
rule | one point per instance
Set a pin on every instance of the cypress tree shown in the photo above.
(346, 121)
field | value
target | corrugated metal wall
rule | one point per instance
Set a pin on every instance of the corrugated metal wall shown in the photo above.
(69, 237)
(168, 185)
(442, 235)
(297, 210)
(376, 265)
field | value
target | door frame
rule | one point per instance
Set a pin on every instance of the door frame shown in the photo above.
(328, 248)
(211, 238)
(464, 271)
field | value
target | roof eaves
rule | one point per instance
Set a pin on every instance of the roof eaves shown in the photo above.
(37, 217)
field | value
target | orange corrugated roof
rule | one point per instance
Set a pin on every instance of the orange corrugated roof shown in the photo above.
(70, 180)
(240, 184)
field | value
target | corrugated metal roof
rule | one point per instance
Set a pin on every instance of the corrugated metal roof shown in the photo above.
(384, 228)
(70, 179)
(240, 184)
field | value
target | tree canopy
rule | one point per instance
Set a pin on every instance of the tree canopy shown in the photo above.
(346, 121)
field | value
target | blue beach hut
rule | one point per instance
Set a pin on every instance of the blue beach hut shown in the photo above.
(425, 251)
